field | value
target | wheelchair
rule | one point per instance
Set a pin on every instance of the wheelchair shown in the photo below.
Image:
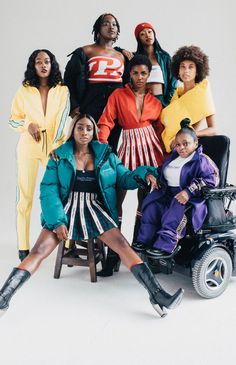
(208, 256)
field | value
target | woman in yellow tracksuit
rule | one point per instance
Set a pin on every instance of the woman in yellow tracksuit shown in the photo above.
(39, 112)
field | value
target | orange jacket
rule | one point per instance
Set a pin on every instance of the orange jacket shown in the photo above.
(121, 105)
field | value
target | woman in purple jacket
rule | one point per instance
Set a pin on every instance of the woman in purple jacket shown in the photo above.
(182, 176)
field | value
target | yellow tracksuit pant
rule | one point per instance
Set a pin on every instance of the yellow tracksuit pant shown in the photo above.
(29, 155)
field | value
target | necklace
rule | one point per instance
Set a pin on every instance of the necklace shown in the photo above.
(83, 161)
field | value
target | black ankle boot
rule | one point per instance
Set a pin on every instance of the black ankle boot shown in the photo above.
(112, 264)
(14, 282)
(159, 299)
(23, 254)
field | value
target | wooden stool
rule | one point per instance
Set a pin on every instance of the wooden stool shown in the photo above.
(89, 253)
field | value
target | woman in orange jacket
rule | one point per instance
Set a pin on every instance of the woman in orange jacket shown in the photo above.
(137, 112)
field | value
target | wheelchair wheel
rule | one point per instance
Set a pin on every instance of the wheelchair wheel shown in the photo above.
(211, 274)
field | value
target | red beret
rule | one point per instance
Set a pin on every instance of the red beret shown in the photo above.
(141, 26)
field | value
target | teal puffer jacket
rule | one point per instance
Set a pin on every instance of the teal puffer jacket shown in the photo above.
(59, 177)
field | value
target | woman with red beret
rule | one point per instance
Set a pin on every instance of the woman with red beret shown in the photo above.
(161, 82)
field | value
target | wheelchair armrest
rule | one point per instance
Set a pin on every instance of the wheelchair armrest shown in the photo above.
(219, 193)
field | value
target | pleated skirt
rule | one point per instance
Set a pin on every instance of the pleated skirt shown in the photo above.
(140, 146)
(86, 216)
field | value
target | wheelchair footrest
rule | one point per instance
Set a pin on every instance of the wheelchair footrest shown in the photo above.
(163, 265)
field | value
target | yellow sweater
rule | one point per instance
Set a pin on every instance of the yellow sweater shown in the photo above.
(196, 104)
(27, 108)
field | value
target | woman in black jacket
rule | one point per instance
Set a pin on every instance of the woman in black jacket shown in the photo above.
(95, 71)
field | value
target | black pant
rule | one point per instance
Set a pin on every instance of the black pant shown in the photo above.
(94, 102)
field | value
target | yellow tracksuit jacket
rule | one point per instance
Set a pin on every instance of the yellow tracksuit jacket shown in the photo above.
(27, 108)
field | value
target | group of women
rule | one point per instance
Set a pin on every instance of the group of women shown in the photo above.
(85, 183)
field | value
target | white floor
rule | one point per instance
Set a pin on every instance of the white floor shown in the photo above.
(73, 321)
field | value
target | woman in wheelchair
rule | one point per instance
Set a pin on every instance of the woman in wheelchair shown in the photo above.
(78, 200)
(182, 176)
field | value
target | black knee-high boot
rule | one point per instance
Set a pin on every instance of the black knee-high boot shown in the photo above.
(14, 282)
(141, 195)
(159, 299)
(112, 264)
(136, 228)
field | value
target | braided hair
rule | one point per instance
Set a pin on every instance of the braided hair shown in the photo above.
(97, 26)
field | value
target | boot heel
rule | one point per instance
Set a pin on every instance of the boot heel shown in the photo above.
(161, 311)
(117, 266)
(159, 298)
(177, 297)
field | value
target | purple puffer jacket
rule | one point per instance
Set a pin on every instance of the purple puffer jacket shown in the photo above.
(200, 171)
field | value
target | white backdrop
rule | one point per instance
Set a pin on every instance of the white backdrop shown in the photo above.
(62, 26)
(70, 321)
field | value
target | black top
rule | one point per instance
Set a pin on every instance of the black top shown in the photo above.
(86, 182)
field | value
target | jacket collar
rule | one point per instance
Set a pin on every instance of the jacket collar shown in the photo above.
(173, 155)
(100, 150)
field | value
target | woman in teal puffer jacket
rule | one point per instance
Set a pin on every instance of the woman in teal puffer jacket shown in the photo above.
(110, 174)
(78, 200)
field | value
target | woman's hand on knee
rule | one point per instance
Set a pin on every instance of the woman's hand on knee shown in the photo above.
(61, 232)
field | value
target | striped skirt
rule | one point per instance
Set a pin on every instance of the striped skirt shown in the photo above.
(86, 216)
(140, 146)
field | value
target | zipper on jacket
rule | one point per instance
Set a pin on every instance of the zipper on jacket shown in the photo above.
(98, 169)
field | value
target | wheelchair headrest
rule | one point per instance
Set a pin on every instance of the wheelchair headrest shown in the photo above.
(217, 148)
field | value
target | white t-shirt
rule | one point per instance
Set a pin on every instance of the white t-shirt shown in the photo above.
(172, 171)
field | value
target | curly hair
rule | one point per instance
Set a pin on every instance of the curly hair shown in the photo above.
(31, 77)
(191, 53)
(97, 26)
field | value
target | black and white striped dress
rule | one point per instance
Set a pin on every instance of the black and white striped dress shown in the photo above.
(86, 214)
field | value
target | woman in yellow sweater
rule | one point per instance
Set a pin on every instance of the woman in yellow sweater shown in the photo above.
(39, 112)
(193, 100)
